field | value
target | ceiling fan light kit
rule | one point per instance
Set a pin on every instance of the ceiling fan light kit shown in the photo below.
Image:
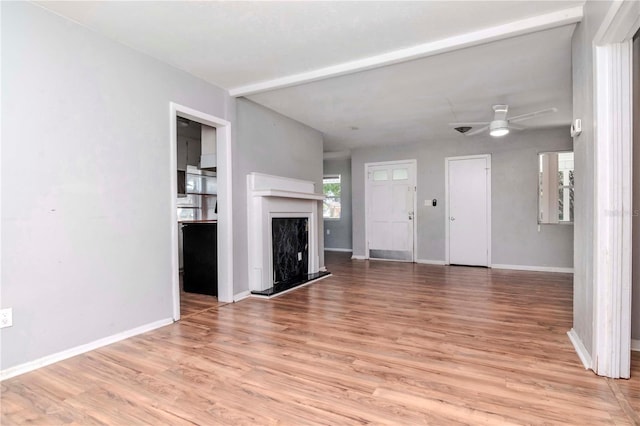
(498, 128)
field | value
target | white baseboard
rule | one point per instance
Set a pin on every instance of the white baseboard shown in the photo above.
(534, 268)
(338, 249)
(431, 262)
(375, 259)
(635, 345)
(242, 295)
(582, 352)
(358, 257)
(68, 353)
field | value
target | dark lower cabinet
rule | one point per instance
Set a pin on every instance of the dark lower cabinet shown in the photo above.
(200, 241)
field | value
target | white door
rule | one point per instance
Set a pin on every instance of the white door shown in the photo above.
(469, 210)
(390, 210)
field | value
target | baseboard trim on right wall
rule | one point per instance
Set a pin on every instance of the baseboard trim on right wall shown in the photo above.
(242, 295)
(635, 345)
(582, 352)
(534, 268)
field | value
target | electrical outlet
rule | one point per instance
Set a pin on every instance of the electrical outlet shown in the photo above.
(328, 231)
(299, 256)
(6, 317)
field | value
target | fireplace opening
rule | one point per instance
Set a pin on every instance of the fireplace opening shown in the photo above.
(290, 242)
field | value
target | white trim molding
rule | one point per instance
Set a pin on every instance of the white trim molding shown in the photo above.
(78, 350)
(558, 269)
(582, 352)
(343, 250)
(242, 295)
(225, 193)
(474, 38)
(431, 262)
(613, 190)
(358, 257)
(635, 345)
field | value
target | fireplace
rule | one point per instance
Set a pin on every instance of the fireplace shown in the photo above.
(283, 232)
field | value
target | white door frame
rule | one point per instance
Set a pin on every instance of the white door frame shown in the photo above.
(487, 157)
(612, 257)
(414, 164)
(225, 216)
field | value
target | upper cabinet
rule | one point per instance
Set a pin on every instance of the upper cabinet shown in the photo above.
(188, 152)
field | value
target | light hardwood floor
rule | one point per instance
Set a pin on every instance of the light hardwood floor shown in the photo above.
(378, 343)
(192, 303)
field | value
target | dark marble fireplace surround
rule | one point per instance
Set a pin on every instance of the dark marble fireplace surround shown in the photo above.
(290, 249)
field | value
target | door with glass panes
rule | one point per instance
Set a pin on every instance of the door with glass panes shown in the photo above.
(390, 207)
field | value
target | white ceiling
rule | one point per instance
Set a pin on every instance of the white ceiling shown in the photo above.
(236, 44)
(414, 101)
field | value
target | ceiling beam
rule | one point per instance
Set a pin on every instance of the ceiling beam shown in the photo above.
(474, 38)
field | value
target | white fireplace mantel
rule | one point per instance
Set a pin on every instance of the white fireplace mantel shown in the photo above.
(271, 197)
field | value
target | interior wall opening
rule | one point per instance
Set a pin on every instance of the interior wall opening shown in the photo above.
(201, 203)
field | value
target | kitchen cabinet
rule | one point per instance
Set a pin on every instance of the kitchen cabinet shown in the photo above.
(200, 253)
(188, 151)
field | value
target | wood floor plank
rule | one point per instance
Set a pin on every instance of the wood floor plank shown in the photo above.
(376, 343)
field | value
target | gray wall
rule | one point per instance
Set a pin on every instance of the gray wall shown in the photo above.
(582, 58)
(515, 236)
(268, 142)
(635, 306)
(86, 206)
(340, 236)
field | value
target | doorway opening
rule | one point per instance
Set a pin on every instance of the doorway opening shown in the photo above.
(201, 196)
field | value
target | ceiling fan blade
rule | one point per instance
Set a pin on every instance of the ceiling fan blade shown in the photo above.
(469, 123)
(530, 115)
(476, 131)
(516, 127)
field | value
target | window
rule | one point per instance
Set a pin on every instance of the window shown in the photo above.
(379, 175)
(565, 187)
(332, 189)
(400, 174)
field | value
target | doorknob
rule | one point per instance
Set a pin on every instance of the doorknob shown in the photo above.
(452, 218)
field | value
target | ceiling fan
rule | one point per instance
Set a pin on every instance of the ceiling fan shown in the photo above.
(500, 125)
